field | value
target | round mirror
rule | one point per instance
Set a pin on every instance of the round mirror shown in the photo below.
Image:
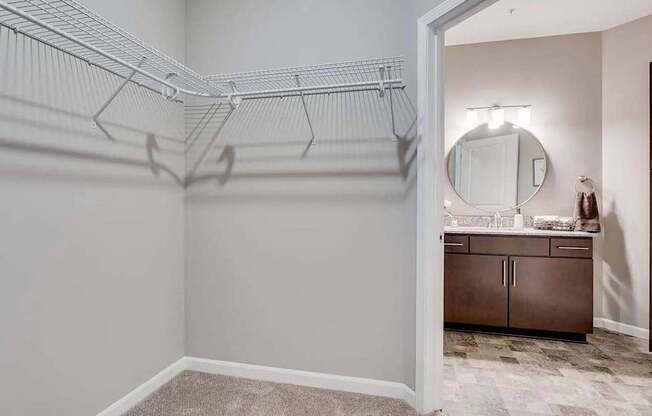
(497, 169)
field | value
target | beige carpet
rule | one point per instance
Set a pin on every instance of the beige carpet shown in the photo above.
(199, 394)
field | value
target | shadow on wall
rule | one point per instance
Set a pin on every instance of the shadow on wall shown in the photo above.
(36, 141)
(47, 99)
(616, 273)
(351, 134)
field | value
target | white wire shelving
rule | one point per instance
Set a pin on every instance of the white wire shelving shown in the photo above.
(210, 101)
(371, 73)
(69, 26)
(383, 76)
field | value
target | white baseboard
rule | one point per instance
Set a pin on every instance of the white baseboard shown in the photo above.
(621, 328)
(141, 392)
(372, 387)
(304, 378)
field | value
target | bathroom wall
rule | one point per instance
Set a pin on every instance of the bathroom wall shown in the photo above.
(561, 77)
(625, 157)
(91, 248)
(304, 263)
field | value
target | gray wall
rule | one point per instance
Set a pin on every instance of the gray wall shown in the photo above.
(303, 264)
(91, 248)
(625, 158)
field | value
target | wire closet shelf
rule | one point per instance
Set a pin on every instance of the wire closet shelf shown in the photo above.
(72, 28)
(379, 74)
(69, 26)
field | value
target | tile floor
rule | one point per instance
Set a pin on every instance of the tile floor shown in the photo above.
(487, 375)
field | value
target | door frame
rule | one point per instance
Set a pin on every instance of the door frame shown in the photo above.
(650, 208)
(430, 177)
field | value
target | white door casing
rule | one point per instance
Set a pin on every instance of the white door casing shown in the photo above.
(430, 176)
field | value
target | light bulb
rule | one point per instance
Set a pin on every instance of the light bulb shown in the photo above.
(524, 116)
(496, 118)
(471, 119)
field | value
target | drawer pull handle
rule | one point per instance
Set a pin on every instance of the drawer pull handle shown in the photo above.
(573, 248)
(504, 273)
(513, 273)
(454, 244)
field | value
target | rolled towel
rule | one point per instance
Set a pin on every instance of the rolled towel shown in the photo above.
(587, 217)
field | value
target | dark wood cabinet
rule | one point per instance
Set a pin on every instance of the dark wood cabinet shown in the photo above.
(475, 289)
(553, 294)
(490, 282)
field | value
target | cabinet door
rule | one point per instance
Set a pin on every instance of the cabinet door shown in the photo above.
(551, 294)
(475, 289)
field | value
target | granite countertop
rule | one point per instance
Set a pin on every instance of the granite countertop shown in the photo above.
(514, 231)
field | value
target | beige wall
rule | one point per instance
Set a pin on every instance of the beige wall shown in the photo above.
(561, 77)
(625, 157)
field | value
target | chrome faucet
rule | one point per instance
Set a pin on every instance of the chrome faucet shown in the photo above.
(498, 220)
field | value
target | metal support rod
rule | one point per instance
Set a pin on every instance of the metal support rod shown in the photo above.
(500, 106)
(305, 110)
(391, 105)
(248, 94)
(115, 93)
(381, 88)
(208, 148)
(329, 92)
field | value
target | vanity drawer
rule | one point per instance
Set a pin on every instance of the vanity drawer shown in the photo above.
(571, 247)
(509, 246)
(454, 243)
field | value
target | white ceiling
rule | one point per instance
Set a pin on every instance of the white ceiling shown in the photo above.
(537, 18)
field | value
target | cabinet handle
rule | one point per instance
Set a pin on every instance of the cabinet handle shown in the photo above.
(454, 244)
(513, 273)
(504, 273)
(573, 248)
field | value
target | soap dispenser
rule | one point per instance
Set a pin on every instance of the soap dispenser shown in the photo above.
(518, 219)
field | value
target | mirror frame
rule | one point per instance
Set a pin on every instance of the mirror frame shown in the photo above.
(517, 206)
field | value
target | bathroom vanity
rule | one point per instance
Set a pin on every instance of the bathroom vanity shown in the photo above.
(530, 282)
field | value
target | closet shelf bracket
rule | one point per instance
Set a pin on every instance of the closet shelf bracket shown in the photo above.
(234, 99)
(391, 105)
(305, 110)
(96, 118)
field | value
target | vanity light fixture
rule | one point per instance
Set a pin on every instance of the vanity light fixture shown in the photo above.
(472, 119)
(496, 118)
(524, 116)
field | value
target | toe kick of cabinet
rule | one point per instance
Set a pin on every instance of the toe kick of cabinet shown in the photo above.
(519, 283)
